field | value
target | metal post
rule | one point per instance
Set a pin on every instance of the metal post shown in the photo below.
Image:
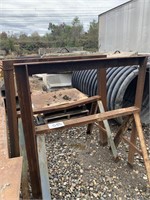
(28, 127)
(140, 83)
(11, 108)
(101, 91)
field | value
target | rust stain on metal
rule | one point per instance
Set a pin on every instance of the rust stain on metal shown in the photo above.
(10, 178)
(3, 135)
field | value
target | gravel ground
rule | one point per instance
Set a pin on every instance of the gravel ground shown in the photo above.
(79, 168)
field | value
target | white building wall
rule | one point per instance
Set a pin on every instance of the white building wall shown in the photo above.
(126, 28)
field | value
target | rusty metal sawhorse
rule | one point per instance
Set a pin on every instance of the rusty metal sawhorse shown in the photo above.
(23, 68)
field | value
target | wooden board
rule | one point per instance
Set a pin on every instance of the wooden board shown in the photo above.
(143, 144)
(67, 115)
(10, 178)
(55, 98)
(91, 119)
(123, 129)
(65, 106)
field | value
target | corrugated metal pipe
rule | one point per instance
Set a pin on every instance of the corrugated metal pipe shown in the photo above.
(121, 86)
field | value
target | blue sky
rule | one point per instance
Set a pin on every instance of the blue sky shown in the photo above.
(34, 15)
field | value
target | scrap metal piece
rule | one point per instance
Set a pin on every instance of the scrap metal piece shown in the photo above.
(42, 159)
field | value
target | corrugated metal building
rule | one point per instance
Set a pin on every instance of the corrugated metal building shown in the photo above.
(126, 27)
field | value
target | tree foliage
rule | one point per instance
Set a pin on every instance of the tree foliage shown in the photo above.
(92, 36)
(60, 35)
(6, 43)
(66, 35)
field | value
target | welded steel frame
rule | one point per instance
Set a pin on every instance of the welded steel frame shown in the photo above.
(26, 67)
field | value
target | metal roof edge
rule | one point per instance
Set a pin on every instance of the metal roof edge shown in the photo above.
(115, 7)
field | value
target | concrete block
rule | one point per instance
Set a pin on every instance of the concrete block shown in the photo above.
(57, 80)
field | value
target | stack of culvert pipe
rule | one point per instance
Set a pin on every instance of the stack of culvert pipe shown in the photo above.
(121, 87)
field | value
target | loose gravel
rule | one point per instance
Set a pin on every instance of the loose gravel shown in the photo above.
(81, 169)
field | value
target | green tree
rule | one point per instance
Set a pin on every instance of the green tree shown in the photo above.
(76, 32)
(92, 36)
(6, 43)
(3, 36)
(66, 35)
(59, 34)
(24, 43)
